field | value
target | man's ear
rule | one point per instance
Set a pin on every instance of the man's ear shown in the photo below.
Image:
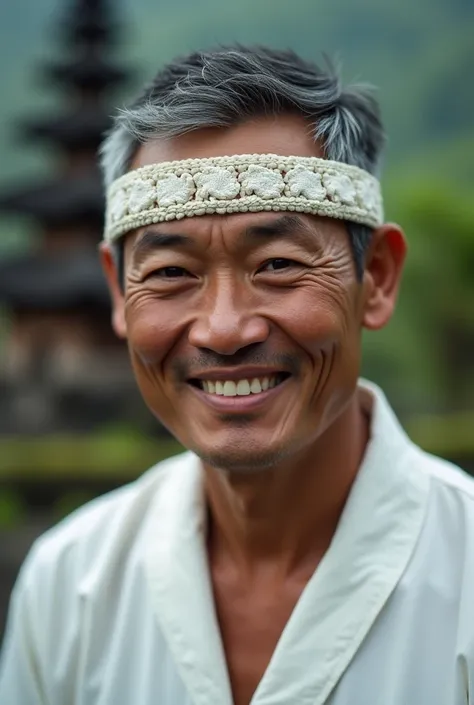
(112, 275)
(382, 276)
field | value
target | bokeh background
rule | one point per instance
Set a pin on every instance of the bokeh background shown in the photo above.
(71, 423)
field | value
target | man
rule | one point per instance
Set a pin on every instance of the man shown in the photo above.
(304, 551)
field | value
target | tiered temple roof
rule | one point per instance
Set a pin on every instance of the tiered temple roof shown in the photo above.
(86, 75)
(88, 23)
(77, 129)
(59, 201)
(54, 281)
(62, 369)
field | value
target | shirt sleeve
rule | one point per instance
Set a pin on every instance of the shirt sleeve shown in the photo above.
(21, 682)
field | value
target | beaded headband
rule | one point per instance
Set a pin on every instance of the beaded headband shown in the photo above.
(238, 184)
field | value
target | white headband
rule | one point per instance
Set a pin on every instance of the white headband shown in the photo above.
(238, 184)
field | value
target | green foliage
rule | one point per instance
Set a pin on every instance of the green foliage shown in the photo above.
(449, 435)
(69, 502)
(430, 343)
(95, 457)
(12, 509)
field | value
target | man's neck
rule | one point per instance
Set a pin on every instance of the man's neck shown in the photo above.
(283, 519)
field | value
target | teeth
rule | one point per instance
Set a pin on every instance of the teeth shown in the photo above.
(255, 386)
(230, 389)
(242, 388)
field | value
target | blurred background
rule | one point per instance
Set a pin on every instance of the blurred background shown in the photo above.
(72, 425)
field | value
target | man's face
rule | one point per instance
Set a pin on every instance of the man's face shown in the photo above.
(243, 330)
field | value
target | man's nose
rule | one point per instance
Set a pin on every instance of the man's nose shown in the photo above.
(228, 322)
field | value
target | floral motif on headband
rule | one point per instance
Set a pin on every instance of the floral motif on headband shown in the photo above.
(173, 189)
(302, 182)
(340, 188)
(142, 195)
(369, 196)
(263, 182)
(215, 182)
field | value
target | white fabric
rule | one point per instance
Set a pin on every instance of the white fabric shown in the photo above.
(114, 605)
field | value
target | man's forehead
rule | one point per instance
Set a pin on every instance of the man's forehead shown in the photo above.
(286, 135)
(240, 232)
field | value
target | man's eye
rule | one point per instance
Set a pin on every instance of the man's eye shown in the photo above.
(169, 272)
(276, 264)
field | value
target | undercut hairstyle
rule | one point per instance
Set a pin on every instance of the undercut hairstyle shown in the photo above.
(230, 85)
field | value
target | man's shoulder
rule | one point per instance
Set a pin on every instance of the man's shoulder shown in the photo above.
(446, 477)
(106, 526)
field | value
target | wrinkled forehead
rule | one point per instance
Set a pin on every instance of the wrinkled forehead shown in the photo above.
(218, 237)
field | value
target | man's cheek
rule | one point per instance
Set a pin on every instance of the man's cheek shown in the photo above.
(149, 336)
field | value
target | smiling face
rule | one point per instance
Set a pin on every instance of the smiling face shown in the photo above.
(244, 330)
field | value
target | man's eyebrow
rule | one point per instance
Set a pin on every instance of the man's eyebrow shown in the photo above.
(289, 227)
(152, 241)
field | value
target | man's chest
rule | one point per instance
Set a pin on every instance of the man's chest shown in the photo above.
(251, 624)
(404, 659)
(409, 656)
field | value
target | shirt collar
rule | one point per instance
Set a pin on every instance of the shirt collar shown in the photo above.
(370, 550)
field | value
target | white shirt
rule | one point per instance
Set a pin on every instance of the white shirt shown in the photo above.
(114, 605)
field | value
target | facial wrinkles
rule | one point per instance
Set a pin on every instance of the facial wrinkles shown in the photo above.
(141, 311)
(330, 276)
(225, 298)
(329, 272)
(335, 281)
(327, 278)
(232, 294)
(138, 294)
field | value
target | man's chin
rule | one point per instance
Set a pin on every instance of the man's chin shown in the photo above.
(241, 460)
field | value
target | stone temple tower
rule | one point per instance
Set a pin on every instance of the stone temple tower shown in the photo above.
(61, 367)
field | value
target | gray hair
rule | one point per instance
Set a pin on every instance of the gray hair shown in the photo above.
(224, 87)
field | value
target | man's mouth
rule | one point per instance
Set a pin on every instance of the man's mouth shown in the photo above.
(239, 387)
